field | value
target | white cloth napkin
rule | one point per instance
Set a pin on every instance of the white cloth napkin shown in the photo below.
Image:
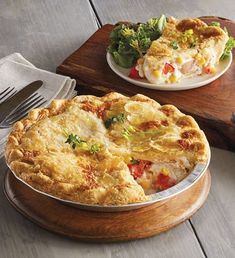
(18, 72)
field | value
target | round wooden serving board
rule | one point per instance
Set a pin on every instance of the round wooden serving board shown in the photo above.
(105, 227)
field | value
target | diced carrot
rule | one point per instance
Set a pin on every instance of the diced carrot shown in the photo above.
(168, 68)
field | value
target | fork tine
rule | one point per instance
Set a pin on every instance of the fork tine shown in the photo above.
(2, 92)
(26, 104)
(24, 111)
(6, 93)
(25, 108)
(24, 114)
(7, 124)
(40, 104)
(26, 101)
(13, 93)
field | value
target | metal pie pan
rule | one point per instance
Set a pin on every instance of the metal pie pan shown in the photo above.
(183, 185)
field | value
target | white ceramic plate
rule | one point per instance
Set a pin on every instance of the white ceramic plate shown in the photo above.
(184, 84)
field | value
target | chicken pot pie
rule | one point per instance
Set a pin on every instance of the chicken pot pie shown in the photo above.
(112, 150)
(187, 48)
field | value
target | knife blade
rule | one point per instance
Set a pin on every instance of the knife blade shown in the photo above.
(12, 103)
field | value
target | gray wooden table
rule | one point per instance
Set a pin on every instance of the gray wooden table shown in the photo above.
(46, 32)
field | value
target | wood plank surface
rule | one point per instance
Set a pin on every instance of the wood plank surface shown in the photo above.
(215, 223)
(139, 11)
(44, 32)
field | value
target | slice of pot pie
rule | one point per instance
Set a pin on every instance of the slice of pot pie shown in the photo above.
(187, 48)
(112, 150)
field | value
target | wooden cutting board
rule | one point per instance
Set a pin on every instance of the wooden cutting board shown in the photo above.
(212, 105)
(105, 227)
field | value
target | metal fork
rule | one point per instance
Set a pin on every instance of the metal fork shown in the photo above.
(34, 101)
(7, 93)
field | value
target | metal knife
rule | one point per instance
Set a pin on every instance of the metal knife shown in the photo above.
(12, 103)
